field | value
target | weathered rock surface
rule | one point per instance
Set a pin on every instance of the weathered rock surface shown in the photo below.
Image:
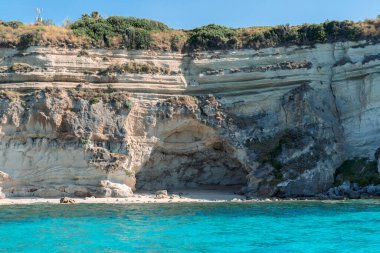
(277, 121)
(56, 144)
(67, 200)
(352, 191)
(161, 194)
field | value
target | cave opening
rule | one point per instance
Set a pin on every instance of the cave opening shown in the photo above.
(192, 159)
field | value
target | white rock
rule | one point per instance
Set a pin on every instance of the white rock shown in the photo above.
(117, 190)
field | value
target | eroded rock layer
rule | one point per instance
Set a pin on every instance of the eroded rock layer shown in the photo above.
(275, 122)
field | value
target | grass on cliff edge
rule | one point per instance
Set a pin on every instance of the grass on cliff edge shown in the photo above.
(95, 31)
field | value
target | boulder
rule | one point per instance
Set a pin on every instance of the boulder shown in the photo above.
(356, 187)
(345, 186)
(373, 189)
(66, 200)
(352, 194)
(161, 194)
(116, 190)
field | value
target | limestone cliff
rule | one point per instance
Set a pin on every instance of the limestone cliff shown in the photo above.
(275, 122)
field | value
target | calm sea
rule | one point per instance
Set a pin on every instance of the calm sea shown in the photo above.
(227, 227)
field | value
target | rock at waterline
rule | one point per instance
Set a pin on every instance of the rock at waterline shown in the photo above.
(66, 200)
(162, 194)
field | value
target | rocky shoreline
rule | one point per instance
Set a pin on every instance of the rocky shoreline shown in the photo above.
(351, 191)
(343, 192)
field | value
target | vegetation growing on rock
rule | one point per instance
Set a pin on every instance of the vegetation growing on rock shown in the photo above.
(93, 30)
(309, 34)
(135, 68)
(358, 170)
(129, 32)
(20, 67)
(212, 37)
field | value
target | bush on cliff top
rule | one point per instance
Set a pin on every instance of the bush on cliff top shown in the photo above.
(13, 24)
(135, 33)
(307, 34)
(130, 32)
(212, 37)
(15, 34)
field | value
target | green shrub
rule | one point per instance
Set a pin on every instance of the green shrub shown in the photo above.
(336, 30)
(95, 28)
(138, 33)
(311, 34)
(83, 53)
(137, 38)
(84, 141)
(283, 34)
(212, 37)
(94, 100)
(120, 24)
(174, 40)
(20, 67)
(128, 105)
(29, 39)
(134, 68)
(134, 31)
(307, 34)
(14, 24)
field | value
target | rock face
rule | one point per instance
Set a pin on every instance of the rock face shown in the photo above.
(276, 122)
(161, 194)
(66, 200)
(55, 143)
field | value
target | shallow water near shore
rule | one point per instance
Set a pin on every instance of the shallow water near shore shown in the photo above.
(343, 226)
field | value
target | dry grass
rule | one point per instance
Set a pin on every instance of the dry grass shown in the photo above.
(107, 96)
(20, 67)
(55, 35)
(243, 33)
(10, 94)
(135, 68)
(168, 40)
(371, 27)
(45, 35)
(172, 40)
(179, 101)
(60, 36)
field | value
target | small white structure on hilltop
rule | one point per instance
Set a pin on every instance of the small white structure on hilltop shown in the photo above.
(39, 15)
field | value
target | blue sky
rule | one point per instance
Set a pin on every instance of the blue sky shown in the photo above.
(192, 13)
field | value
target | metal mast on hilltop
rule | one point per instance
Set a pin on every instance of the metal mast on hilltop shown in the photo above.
(39, 15)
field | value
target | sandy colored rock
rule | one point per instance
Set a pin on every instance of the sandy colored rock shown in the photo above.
(161, 194)
(276, 121)
(66, 200)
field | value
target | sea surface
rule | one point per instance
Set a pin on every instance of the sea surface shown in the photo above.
(211, 227)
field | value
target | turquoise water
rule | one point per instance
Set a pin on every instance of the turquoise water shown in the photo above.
(242, 227)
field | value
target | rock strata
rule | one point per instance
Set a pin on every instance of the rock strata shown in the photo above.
(274, 122)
